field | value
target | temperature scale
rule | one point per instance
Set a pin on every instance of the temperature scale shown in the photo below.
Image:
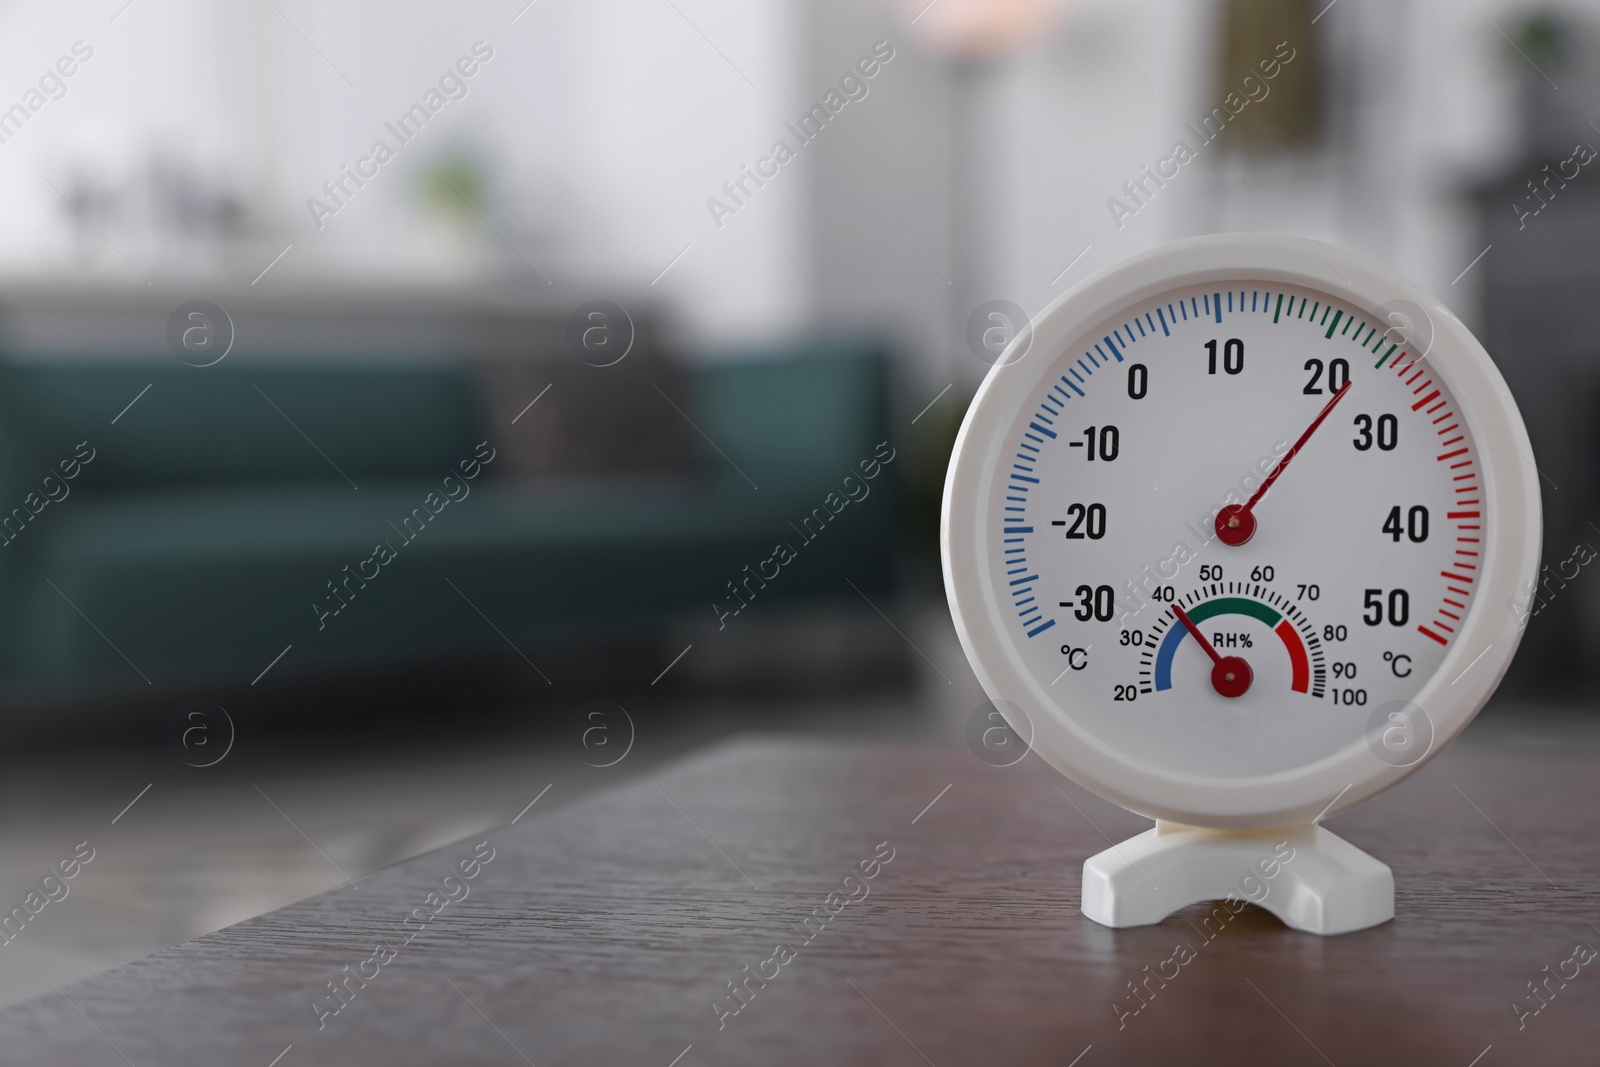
(1237, 534)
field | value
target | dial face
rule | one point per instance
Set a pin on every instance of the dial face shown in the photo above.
(1260, 644)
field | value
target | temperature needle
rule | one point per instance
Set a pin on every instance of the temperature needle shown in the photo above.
(1236, 523)
(1230, 675)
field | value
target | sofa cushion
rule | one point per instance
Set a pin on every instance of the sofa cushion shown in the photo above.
(218, 582)
(631, 419)
(238, 423)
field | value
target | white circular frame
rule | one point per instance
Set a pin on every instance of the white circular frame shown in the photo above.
(1488, 637)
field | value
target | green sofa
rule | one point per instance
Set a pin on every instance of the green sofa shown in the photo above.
(205, 529)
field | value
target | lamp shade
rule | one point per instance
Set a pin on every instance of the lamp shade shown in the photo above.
(975, 30)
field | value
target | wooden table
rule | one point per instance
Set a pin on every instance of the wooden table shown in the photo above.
(604, 931)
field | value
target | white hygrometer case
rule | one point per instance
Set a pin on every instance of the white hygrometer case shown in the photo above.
(1237, 534)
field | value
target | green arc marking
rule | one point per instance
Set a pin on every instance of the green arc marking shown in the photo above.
(1235, 605)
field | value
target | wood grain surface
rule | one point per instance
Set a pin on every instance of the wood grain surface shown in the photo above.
(604, 931)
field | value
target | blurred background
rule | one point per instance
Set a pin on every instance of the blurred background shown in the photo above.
(402, 404)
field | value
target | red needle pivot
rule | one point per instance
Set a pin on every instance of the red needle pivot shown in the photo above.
(1236, 523)
(1230, 675)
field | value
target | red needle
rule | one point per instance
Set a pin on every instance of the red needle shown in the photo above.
(1230, 675)
(1236, 523)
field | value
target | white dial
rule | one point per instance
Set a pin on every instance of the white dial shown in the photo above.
(1232, 522)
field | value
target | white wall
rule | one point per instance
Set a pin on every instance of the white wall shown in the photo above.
(1423, 106)
(152, 80)
(1430, 107)
(609, 123)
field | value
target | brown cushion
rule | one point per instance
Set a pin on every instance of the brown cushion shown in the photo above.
(589, 422)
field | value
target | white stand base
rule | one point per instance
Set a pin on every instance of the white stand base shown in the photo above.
(1328, 886)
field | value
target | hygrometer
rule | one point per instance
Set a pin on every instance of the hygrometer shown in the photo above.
(1238, 533)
